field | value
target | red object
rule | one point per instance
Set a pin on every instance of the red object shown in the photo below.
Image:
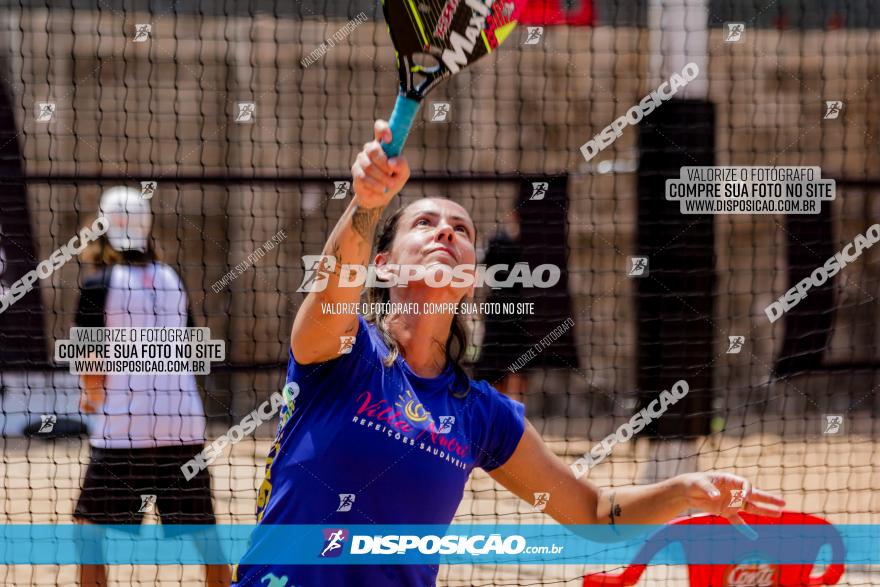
(550, 13)
(835, 22)
(781, 21)
(751, 575)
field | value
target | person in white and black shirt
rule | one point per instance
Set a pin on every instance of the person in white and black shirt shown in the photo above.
(143, 427)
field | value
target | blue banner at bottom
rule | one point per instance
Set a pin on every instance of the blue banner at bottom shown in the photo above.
(455, 544)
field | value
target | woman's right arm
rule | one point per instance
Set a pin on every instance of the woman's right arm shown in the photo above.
(375, 180)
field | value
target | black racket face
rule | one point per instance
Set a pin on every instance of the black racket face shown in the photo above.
(438, 38)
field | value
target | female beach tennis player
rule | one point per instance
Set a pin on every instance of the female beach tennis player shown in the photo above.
(386, 428)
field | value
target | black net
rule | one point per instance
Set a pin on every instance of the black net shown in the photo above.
(247, 116)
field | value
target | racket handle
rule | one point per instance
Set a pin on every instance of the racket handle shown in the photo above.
(401, 122)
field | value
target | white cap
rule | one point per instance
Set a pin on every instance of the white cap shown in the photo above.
(130, 219)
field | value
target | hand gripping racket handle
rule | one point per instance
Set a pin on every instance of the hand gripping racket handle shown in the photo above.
(401, 122)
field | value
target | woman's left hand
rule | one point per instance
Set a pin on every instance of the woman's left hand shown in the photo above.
(726, 494)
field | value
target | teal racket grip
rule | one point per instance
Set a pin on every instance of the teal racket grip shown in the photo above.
(401, 122)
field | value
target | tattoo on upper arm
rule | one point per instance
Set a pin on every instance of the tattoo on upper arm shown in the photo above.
(364, 222)
(615, 508)
(337, 270)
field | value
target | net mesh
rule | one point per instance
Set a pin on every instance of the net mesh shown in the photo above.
(168, 108)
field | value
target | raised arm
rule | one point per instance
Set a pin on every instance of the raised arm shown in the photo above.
(375, 180)
(534, 468)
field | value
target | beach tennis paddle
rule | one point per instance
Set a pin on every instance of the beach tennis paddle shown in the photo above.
(435, 39)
